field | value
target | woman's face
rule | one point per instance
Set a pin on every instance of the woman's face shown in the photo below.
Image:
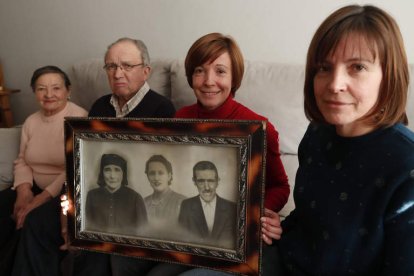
(158, 176)
(51, 93)
(212, 82)
(113, 176)
(347, 86)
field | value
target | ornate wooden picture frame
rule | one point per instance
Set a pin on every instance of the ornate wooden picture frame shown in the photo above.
(113, 192)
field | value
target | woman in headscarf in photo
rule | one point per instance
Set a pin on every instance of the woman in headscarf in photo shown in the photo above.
(113, 207)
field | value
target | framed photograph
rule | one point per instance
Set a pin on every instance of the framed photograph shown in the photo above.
(174, 190)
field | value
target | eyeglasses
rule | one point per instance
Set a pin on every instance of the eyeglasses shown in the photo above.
(112, 67)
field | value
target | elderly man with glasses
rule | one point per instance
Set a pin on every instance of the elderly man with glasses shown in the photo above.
(127, 65)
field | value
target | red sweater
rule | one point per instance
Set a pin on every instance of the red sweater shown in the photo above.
(277, 186)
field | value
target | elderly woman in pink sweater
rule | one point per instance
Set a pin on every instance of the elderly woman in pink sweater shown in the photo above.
(39, 173)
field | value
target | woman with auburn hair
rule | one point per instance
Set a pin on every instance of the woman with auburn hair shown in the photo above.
(214, 67)
(354, 189)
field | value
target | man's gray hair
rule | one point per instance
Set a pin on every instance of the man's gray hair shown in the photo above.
(138, 43)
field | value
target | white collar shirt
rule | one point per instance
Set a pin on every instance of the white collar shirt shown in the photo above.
(209, 209)
(131, 104)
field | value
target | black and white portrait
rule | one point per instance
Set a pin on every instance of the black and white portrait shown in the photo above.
(150, 182)
(208, 218)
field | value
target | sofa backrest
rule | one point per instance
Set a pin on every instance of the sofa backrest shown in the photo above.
(271, 89)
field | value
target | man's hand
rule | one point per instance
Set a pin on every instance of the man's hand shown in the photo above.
(271, 228)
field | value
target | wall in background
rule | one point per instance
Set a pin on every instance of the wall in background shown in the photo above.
(59, 32)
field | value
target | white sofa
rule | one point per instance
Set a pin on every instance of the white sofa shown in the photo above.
(271, 89)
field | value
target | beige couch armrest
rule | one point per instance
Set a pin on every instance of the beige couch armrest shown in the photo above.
(9, 148)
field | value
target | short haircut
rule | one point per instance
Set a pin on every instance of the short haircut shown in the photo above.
(49, 69)
(204, 165)
(161, 159)
(208, 48)
(138, 43)
(385, 42)
(113, 159)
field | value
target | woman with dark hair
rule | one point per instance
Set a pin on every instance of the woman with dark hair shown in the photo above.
(354, 189)
(163, 205)
(39, 174)
(113, 207)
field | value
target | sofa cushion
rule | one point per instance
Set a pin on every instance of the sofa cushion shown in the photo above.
(159, 79)
(181, 92)
(90, 81)
(9, 148)
(275, 91)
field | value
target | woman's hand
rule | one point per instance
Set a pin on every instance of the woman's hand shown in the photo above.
(34, 203)
(271, 228)
(24, 197)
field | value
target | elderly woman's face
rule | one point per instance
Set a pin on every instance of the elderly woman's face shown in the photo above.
(212, 82)
(113, 176)
(158, 176)
(51, 93)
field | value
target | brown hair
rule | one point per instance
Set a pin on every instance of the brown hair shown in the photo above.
(208, 48)
(161, 159)
(49, 69)
(385, 41)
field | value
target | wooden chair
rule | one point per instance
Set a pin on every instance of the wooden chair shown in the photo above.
(1, 77)
(6, 116)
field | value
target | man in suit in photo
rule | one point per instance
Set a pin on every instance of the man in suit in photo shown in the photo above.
(209, 218)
